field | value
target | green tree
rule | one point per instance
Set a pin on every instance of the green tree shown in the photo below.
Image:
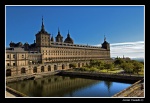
(109, 66)
(119, 61)
(137, 67)
(127, 67)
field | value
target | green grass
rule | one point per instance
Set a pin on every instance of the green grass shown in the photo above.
(140, 73)
(110, 71)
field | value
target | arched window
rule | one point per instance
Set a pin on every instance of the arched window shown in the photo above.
(42, 68)
(55, 67)
(63, 66)
(8, 72)
(35, 70)
(23, 70)
(49, 68)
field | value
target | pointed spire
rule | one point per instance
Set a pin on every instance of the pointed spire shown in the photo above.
(42, 27)
(104, 38)
(52, 39)
(68, 34)
(58, 31)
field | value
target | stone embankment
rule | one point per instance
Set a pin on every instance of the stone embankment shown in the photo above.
(104, 76)
(13, 93)
(135, 90)
(27, 77)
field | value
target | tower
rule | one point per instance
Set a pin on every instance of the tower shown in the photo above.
(105, 44)
(68, 39)
(12, 44)
(52, 39)
(59, 38)
(42, 37)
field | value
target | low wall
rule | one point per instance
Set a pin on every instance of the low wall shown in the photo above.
(121, 92)
(103, 76)
(15, 93)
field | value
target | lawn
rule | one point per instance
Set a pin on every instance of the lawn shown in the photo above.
(111, 71)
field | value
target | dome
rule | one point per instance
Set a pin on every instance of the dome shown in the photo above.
(68, 39)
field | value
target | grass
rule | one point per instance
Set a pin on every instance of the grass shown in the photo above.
(140, 73)
(110, 71)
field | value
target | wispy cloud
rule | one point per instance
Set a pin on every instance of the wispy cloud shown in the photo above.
(128, 49)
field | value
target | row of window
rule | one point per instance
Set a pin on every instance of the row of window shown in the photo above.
(8, 56)
(70, 51)
(8, 64)
(73, 54)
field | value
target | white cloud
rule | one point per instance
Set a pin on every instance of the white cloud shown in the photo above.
(128, 49)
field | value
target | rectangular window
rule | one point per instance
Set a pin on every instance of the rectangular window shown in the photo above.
(13, 56)
(7, 56)
(13, 64)
(22, 56)
(7, 64)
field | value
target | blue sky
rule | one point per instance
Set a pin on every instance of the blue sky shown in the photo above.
(86, 24)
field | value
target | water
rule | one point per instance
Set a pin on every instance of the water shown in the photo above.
(63, 86)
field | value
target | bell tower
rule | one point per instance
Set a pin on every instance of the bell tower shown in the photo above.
(105, 44)
(42, 37)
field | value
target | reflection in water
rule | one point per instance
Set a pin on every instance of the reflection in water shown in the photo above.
(63, 86)
(108, 85)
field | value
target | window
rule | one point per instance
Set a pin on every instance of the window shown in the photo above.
(7, 56)
(13, 64)
(13, 56)
(22, 56)
(7, 64)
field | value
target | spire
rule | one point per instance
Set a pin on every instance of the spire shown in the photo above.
(42, 27)
(58, 31)
(104, 38)
(52, 39)
(68, 34)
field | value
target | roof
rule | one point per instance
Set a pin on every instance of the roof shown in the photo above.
(15, 49)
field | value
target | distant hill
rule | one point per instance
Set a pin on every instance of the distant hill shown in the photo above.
(138, 59)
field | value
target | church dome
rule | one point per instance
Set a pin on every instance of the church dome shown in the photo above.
(68, 39)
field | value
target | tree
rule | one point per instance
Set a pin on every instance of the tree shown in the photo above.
(119, 61)
(72, 65)
(127, 67)
(137, 67)
(109, 66)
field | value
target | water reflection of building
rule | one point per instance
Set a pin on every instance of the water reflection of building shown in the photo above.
(57, 54)
(51, 86)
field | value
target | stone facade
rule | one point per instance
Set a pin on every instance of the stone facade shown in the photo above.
(58, 54)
